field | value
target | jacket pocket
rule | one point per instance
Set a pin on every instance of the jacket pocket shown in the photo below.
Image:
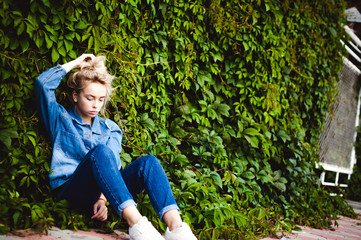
(71, 145)
(101, 139)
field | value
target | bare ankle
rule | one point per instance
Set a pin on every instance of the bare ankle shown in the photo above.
(172, 219)
(131, 215)
(174, 226)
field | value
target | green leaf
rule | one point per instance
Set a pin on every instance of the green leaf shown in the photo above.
(49, 43)
(241, 219)
(72, 54)
(222, 108)
(251, 131)
(282, 180)
(81, 25)
(245, 45)
(181, 159)
(252, 140)
(280, 186)
(204, 77)
(62, 51)
(16, 217)
(54, 55)
(267, 179)
(32, 140)
(258, 213)
(176, 127)
(68, 45)
(21, 28)
(215, 176)
(147, 122)
(90, 42)
(132, 3)
(283, 135)
(332, 31)
(248, 175)
(6, 135)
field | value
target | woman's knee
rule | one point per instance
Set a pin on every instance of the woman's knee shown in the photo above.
(102, 158)
(102, 149)
(101, 153)
(149, 160)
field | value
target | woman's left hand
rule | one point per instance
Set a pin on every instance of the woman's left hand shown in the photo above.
(100, 211)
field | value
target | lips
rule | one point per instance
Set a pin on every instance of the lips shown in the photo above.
(93, 112)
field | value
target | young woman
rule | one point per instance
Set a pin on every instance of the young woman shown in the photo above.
(85, 160)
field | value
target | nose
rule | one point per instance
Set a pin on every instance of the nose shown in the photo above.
(96, 104)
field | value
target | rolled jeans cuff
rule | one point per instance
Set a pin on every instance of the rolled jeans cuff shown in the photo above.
(124, 205)
(166, 209)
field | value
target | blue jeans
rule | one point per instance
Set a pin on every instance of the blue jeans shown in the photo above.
(98, 173)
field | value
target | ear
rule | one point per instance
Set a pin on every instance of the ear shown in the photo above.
(75, 96)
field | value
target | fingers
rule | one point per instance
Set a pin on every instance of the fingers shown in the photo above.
(77, 63)
(100, 211)
(84, 58)
(101, 216)
(87, 57)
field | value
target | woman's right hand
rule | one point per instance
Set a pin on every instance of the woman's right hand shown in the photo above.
(76, 63)
(100, 211)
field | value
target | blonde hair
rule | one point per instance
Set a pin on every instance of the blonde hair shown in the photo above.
(91, 71)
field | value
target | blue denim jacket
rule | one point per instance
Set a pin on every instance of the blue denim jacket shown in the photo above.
(71, 138)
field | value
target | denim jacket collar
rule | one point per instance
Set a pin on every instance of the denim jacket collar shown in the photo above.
(95, 127)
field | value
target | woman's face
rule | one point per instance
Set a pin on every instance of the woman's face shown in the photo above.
(89, 101)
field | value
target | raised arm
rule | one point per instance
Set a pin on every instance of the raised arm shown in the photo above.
(47, 106)
(45, 87)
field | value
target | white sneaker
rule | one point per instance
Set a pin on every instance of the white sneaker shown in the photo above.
(182, 233)
(144, 230)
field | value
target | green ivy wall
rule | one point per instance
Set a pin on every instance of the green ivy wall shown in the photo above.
(229, 95)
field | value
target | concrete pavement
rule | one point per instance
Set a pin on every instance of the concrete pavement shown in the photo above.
(58, 234)
(347, 229)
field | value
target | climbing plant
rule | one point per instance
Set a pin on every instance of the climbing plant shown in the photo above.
(229, 95)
